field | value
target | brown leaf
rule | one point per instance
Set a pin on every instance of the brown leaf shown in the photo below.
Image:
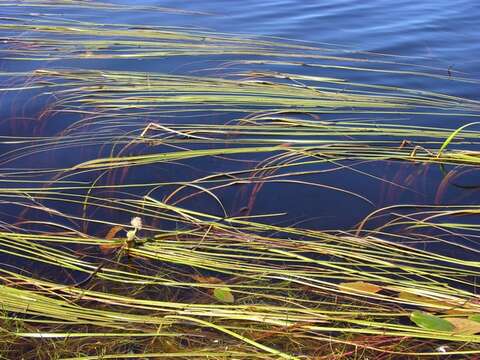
(425, 301)
(464, 326)
(361, 286)
(107, 248)
(207, 279)
(113, 231)
(455, 311)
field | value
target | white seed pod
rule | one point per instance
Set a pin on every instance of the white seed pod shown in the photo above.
(136, 222)
(131, 235)
(442, 349)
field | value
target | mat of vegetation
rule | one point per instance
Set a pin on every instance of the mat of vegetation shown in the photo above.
(116, 240)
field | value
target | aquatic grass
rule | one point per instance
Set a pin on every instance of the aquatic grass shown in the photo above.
(78, 283)
(277, 129)
(129, 90)
(97, 5)
(270, 307)
(47, 39)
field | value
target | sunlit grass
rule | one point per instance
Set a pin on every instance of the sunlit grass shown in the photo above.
(80, 280)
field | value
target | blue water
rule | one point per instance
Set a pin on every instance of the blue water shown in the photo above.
(443, 31)
(438, 33)
(441, 34)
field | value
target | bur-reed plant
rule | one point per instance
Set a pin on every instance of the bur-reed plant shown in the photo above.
(81, 280)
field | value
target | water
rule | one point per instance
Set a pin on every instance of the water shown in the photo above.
(440, 34)
(50, 219)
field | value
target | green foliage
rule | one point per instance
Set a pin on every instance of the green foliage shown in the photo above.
(299, 292)
(431, 322)
(224, 294)
(452, 136)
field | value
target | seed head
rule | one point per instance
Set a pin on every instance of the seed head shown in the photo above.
(136, 222)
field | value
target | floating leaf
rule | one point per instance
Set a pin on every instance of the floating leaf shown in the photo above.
(431, 322)
(474, 318)
(223, 294)
(207, 279)
(113, 231)
(361, 286)
(423, 301)
(453, 307)
(455, 311)
(106, 248)
(464, 326)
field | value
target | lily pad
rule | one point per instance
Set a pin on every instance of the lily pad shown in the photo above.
(431, 322)
(224, 294)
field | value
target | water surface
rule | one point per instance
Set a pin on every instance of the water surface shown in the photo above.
(438, 34)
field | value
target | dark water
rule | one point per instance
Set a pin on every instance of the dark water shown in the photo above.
(440, 34)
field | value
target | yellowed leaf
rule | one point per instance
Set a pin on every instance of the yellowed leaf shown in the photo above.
(464, 326)
(106, 248)
(456, 311)
(113, 231)
(207, 279)
(425, 301)
(361, 286)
